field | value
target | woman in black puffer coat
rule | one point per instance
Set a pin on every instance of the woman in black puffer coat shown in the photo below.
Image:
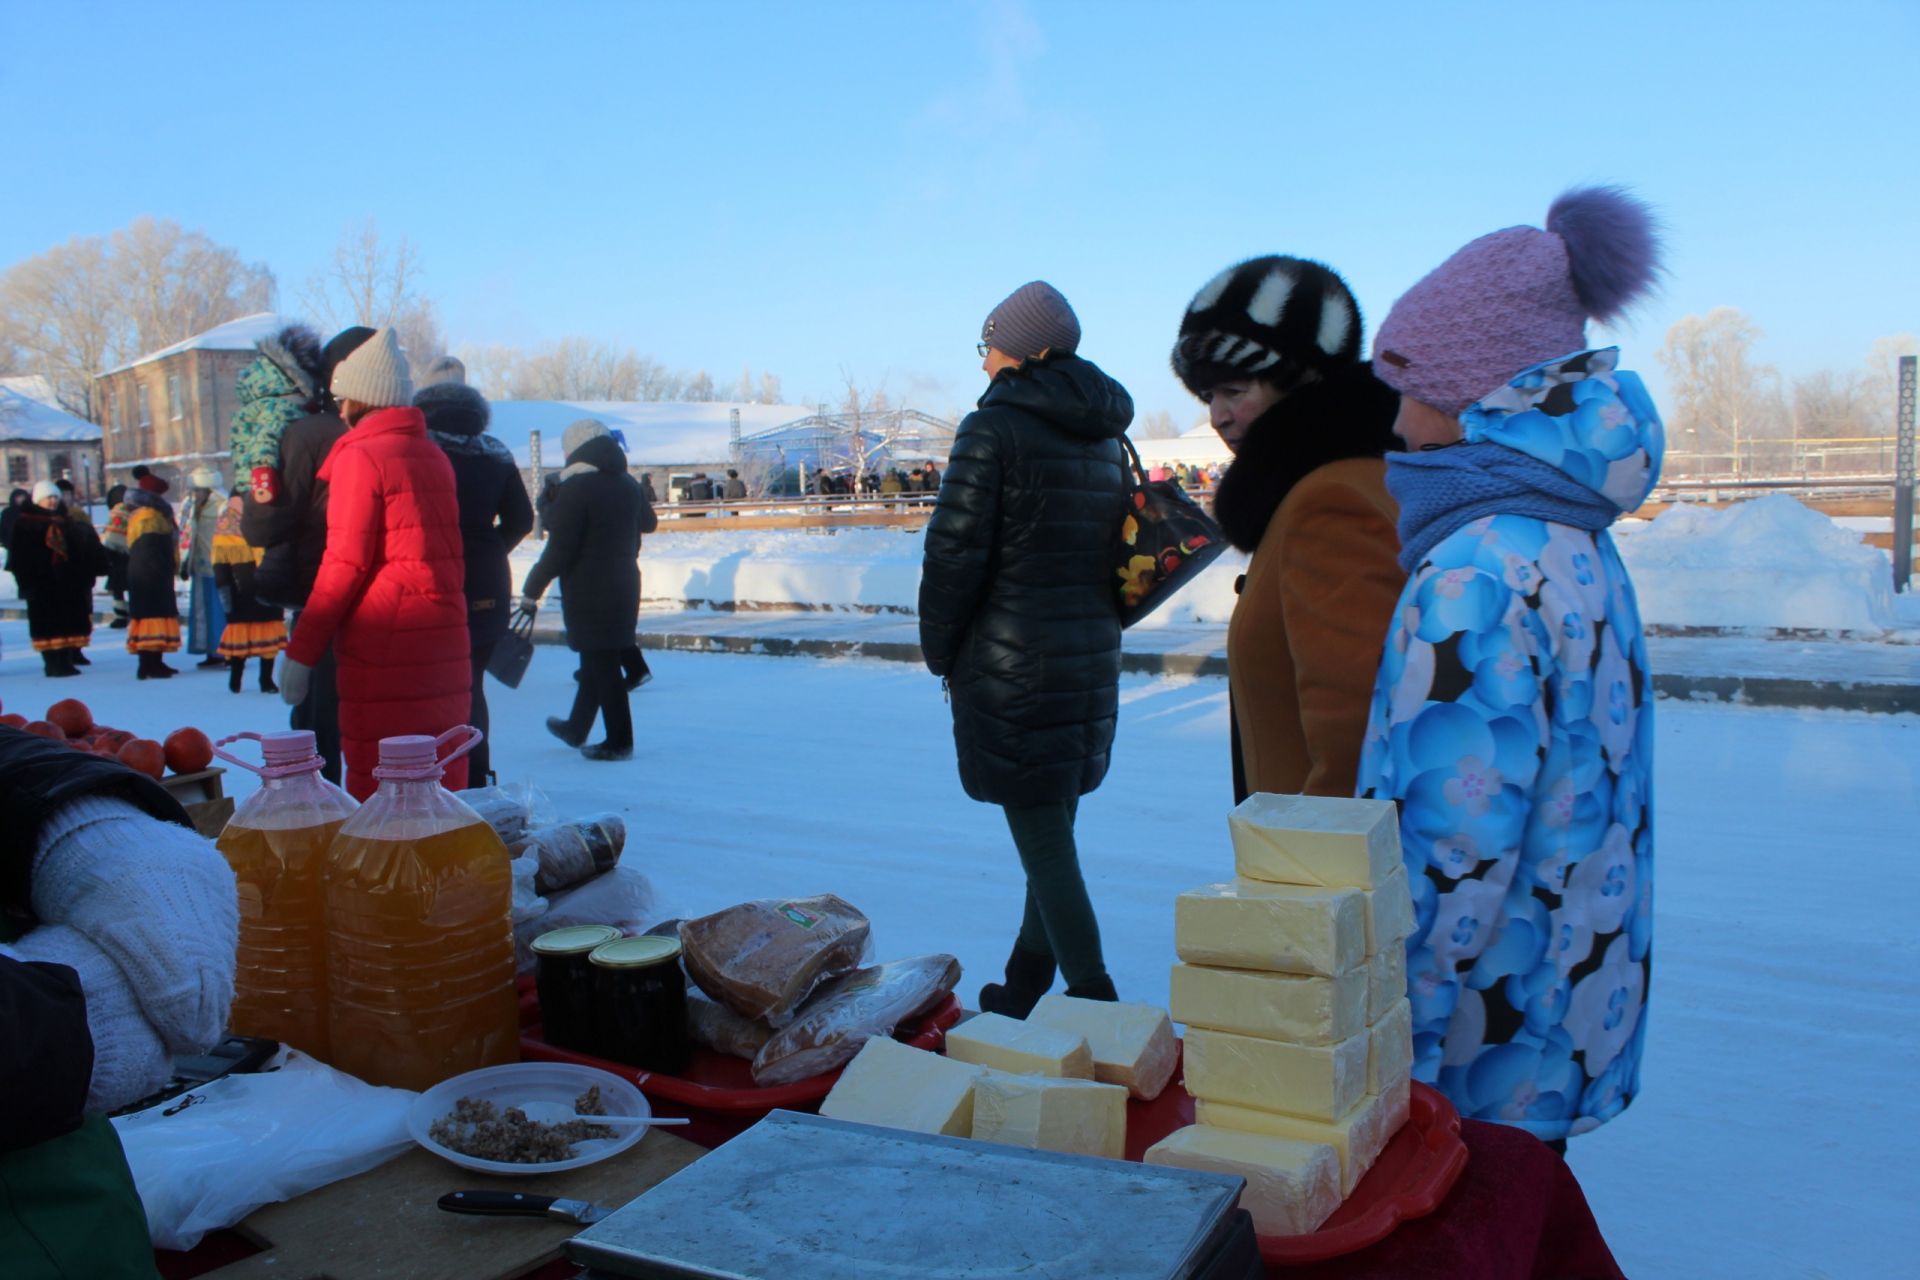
(495, 515)
(594, 524)
(1019, 613)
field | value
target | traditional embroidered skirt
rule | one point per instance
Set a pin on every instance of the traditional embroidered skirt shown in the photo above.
(154, 635)
(245, 640)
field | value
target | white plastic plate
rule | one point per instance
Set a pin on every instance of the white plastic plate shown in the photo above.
(531, 1082)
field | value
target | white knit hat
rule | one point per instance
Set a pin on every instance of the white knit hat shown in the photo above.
(45, 489)
(375, 374)
(204, 478)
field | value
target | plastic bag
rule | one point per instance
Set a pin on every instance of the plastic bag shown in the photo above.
(721, 1029)
(527, 902)
(623, 898)
(764, 958)
(849, 1011)
(211, 1156)
(573, 852)
(511, 811)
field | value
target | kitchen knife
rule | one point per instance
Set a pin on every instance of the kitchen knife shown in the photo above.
(519, 1204)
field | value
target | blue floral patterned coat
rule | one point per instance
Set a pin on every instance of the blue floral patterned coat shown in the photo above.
(1513, 722)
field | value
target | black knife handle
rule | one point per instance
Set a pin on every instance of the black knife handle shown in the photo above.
(514, 1203)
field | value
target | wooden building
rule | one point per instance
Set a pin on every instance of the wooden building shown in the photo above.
(173, 409)
(41, 441)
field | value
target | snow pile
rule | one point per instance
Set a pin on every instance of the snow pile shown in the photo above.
(1769, 563)
(869, 570)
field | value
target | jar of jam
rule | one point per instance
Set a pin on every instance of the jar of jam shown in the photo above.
(566, 983)
(640, 1004)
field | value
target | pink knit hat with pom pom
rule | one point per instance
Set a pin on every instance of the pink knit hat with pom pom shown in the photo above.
(1517, 298)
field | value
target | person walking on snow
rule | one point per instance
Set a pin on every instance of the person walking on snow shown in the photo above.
(199, 520)
(1272, 347)
(594, 526)
(1020, 617)
(1512, 719)
(494, 516)
(390, 597)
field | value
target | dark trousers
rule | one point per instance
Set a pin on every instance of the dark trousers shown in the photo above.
(633, 664)
(602, 692)
(480, 759)
(321, 711)
(1059, 918)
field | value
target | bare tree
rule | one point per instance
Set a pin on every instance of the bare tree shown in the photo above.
(1158, 425)
(869, 429)
(175, 283)
(699, 388)
(1880, 384)
(1830, 405)
(769, 389)
(378, 283)
(1723, 399)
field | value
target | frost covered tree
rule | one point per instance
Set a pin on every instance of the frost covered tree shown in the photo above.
(377, 282)
(95, 302)
(1723, 399)
(1158, 425)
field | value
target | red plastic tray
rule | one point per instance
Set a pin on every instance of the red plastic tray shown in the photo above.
(1409, 1180)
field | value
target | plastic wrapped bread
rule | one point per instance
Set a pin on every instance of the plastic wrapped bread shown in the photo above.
(720, 1028)
(764, 958)
(849, 1010)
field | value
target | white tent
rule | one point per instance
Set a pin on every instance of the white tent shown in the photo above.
(658, 433)
(1199, 447)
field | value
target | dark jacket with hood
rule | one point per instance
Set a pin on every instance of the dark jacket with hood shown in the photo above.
(495, 513)
(594, 525)
(153, 555)
(1019, 605)
(1306, 496)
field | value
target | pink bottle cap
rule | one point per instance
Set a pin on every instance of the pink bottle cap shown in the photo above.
(291, 747)
(416, 757)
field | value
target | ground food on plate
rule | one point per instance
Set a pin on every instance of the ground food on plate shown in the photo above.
(476, 1127)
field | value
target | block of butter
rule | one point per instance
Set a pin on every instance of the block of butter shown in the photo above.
(1132, 1044)
(1255, 924)
(1079, 1117)
(1304, 1008)
(1386, 980)
(1390, 1048)
(1389, 912)
(1320, 1082)
(1357, 1137)
(1292, 1187)
(888, 1083)
(1022, 1048)
(1316, 840)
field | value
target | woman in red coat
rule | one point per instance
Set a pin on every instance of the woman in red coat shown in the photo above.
(391, 593)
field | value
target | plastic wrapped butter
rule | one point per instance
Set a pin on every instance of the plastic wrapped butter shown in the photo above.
(1386, 980)
(1320, 1082)
(1020, 1048)
(1303, 1008)
(1292, 1187)
(1390, 1048)
(1389, 912)
(1254, 924)
(1357, 1138)
(888, 1083)
(1132, 1044)
(1315, 840)
(1078, 1117)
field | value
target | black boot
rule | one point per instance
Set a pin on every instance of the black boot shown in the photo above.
(607, 751)
(266, 675)
(1100, 988)
(236, 669)
(563, 730)
(57, 663)
(79, 658)
(1029, 974)
(152, 667)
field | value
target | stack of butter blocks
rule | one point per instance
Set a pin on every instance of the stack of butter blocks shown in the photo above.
(1059, 1081)
(1292, 986)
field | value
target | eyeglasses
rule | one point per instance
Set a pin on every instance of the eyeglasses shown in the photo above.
(982, 348)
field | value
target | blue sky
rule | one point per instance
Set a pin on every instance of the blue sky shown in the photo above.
(819, 187)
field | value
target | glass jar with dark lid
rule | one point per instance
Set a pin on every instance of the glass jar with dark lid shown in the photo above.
(566, 983)
(640, 1003)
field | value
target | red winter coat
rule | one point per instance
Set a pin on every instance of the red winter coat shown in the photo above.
(391, 593)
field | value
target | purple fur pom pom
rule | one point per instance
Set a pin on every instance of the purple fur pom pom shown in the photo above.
(1612, 248)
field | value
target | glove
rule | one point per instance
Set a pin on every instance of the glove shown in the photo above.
(529, 605)
(296, 678)
(157, 899)
(129, 1060)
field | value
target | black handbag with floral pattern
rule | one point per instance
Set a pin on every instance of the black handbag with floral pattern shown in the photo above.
(1164, 540)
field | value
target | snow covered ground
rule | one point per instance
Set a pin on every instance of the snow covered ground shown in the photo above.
(1775, 1136)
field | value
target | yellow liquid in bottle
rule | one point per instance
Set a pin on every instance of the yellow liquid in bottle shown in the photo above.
(420, 955)
(280, 983)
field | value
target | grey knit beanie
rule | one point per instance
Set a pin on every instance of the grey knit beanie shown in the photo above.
(578, 433)
(445, 369)
(375, 374)
(1033, 318)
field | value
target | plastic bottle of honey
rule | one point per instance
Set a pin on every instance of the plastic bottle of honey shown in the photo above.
(276, 842)
(419, 904)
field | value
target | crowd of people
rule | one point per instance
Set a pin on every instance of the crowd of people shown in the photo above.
(1432, 614)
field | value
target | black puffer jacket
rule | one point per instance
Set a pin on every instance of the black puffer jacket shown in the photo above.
(495, 513)
(593, 546)
(294, 530)
(1018, 600)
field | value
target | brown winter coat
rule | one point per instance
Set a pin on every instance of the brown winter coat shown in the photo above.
(1304, 644)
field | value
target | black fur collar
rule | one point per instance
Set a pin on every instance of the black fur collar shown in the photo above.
(1348, 415)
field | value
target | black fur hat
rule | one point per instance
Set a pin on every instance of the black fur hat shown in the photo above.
(296, 349)
(1273, 318)
(453, 407)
